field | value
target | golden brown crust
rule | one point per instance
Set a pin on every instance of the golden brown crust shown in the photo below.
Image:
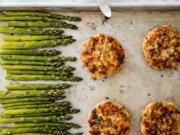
(109, 118)
(160, 118)
(161, 47)
(102, 55)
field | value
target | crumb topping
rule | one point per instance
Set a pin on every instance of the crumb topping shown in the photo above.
(102, 55)
(160, 118)
(161, 47)
(109, 119)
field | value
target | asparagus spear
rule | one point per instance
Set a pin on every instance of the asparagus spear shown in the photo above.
(30, 52)
(52, 109)
(40, 68)
(37, 58)
(33, 63)
(34, 134)
(41, 14)
(36, 44)
(30, 93)
(52, 130)
(47, 134)
(48, 124)
(36, 119)
(58, 113)
(30, 99)
(20, 86)
(29, 72)
(14, 105)
(34, 38)
(38, 105)
(41, 77)
(42, 24)
(26, 18)
(30, 31)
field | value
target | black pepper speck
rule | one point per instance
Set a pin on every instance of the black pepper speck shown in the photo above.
(131, 22)
(92, 88)
(121, 91)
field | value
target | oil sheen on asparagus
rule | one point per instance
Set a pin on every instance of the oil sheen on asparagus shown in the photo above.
(28, 53)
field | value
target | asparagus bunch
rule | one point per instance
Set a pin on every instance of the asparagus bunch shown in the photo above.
(20, 86)
(33, 63)
(36, 44)
(30, 52)
(41, 14)
(36, 58)
(30, 31)
(34, 107)
(35, 37)
(42, 24)
(42, 77)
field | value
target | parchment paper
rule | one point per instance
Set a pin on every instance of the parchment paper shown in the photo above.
(136, 84)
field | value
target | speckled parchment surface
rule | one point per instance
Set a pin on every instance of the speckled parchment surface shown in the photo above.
(136, 84)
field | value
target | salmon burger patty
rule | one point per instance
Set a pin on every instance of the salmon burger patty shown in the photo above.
(160, 118)
(161, 47)
(102, 55)
(109, 118)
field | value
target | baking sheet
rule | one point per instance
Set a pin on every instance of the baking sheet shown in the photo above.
(83, 6)
(136, 84)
